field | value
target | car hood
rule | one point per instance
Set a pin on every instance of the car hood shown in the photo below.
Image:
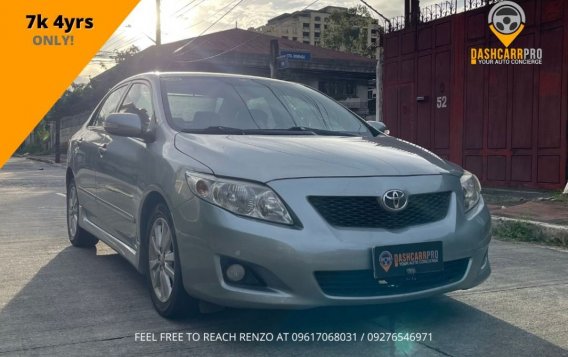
(270, 157)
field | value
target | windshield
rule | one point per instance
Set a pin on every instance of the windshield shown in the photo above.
(243, 105)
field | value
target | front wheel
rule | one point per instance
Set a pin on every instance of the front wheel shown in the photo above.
(163, 268)
(77, 235)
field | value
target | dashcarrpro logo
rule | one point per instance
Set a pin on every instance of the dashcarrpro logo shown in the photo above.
(506, 21)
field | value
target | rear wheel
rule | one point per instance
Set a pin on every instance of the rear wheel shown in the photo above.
(163, 268)
(77, 235)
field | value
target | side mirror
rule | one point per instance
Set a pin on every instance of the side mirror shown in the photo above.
(124, 124)
(380, 126)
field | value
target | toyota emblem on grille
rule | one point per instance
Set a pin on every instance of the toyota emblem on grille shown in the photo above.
(394, 200)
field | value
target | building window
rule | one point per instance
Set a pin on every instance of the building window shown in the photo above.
(307, 42)
(317, 26)
(295, 38)
(317, 34)
(317, 18)
(285, 37)
(350, 89)
(338, 90)
(306, 25)
(306, 34)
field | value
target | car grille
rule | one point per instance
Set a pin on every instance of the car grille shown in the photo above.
(360, 283)
(367, 212)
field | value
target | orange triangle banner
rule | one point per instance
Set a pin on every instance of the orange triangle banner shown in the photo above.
(45, 46)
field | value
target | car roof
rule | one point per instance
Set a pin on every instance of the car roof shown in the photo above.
(158, 75)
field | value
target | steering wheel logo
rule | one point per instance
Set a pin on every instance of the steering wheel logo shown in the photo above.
(506, 21)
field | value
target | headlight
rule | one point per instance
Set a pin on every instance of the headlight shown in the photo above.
(471, 190)
(242, 198)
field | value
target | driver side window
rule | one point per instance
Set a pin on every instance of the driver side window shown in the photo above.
(139, 101)
(109, 106)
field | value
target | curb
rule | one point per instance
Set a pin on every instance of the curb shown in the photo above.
(41, 159)
(530, 231)
(47, 161)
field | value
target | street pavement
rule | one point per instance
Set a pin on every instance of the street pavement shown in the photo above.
(56, 300)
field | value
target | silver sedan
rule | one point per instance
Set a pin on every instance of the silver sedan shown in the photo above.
(250, 192)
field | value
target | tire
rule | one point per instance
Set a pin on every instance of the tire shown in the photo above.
(163, 271)
(77, 235)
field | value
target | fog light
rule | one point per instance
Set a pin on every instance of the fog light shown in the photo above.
(485, 261)
(235, 272)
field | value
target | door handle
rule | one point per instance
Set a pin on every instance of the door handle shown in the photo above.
(102, 149)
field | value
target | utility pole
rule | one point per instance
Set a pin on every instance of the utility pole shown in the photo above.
(58, 140)
(158, 24)
(274, 53)
(415, 12)
(378, 13)
(380, 62)
(379, 81)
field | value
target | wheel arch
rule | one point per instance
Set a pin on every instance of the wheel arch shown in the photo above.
(150, 201)
(69, 175)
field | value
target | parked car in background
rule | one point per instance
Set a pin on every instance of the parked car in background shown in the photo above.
(251, 192)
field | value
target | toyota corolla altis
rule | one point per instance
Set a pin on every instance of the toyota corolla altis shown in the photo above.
(250, 192)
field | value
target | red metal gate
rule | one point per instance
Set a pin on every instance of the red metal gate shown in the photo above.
(505, 123)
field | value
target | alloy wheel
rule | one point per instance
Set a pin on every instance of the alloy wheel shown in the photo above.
(162, 259)
(72, 211)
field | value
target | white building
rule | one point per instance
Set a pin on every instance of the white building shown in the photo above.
(308, 26)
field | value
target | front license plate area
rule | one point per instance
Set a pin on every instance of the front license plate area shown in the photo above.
(407, 259)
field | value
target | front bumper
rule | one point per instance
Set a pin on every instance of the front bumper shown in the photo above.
(287, 258)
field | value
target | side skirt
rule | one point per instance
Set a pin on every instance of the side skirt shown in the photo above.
(115, 243)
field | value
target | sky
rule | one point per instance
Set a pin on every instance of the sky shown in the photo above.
(188, 18)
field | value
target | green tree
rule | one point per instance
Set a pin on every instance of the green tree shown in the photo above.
(80, 97)
(347, 31)
(71, 102)
(121, 56)
(41, 136)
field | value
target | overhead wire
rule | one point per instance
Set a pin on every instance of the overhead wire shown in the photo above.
(205, 20)
(115, 38)
(121, 43)
(232, 48)
(310, 5)
(223, 52)
(181, 10)
(209, 27)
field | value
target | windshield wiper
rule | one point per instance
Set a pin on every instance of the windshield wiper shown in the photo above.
(237, 131)
(216, 130)
(316, 131)
(297, 130)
